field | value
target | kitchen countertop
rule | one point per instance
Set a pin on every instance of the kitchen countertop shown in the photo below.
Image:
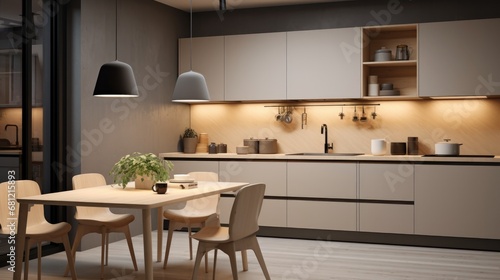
(359, 158)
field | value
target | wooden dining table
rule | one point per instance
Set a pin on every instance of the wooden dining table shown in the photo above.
(114, 196)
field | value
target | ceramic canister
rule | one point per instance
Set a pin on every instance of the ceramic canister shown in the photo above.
(378, 147)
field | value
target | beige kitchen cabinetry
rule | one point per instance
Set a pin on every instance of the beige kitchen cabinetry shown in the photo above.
(386, 193)
(273, 174)
(459, 58)
(207, 59)
(319, 66)
(255, 67)
(329, 185)
(10, 79)
(401, 73)
(457, 200)
(9, 166)
(186, 166)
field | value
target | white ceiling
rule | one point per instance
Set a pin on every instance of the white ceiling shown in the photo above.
(211, 5)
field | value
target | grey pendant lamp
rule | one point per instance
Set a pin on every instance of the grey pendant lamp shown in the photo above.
(116, 78)
(191, 86)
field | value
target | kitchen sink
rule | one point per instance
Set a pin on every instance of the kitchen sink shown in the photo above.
(324, 154)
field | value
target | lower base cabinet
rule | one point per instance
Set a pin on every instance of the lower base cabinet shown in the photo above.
(386, 218)
(272, 214)
(321, 215)
(457, 201)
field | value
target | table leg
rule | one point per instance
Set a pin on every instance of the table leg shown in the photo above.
(160, 234)
(20, 239)
(148, 245)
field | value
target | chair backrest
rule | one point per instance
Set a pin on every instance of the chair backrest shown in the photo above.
(208, 203)
(245, 213)
(204, 176)
(88, 180)
(8, 194)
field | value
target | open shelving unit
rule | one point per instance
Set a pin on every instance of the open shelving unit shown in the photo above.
(401, 73)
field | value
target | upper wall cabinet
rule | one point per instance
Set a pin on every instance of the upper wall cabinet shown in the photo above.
(459, 58)
(387, 67)
(207, 59)
(321, 64)
(255, 67)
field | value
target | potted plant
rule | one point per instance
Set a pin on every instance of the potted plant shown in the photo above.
(190, 140)
(144, 169)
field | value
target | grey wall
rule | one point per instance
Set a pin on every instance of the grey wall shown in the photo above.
(108, 129)
(339, 14)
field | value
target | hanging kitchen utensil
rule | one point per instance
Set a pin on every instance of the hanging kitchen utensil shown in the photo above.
(341, 114)
(363, 115)
(304, 118)
(355, 118)
(374, 113)
(288, 115)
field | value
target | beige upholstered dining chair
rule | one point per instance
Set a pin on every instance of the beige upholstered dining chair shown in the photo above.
(194, 214)
(240, 235)
(100, 220)
(37, 228)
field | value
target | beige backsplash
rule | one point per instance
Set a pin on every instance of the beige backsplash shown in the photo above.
(473, 122)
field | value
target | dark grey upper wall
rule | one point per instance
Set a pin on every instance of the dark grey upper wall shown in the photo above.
(338, 15)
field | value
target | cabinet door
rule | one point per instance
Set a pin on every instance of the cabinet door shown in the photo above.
(319, 68)
(459, 201)
(321, 215)
(186, 166)
(322, 179)
(255, 67)
(386, 181)
(273, 174)
(459, 58)
(208, 60)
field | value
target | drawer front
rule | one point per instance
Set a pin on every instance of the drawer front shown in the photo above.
(273, 174)
(321, 215)
(386, 218)
(322, 179)
(272, 214)
(386, 181)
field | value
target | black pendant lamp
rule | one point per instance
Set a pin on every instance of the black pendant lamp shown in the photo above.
(116, 78)
(191, 86)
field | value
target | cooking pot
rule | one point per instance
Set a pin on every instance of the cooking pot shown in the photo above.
(383, 54)
(253, 145)
(268, 146)
(447, 148)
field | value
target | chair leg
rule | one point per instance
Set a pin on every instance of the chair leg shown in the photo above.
(215, 263)
(190, 242)
(107, 250)
(26, 258)
(103, 249)
(171, 227)
(199, 255)
(69, 255)
(39, 257)
(244, 259)
(232, 259)
(130, 247)
(258, 253)
(78, 238)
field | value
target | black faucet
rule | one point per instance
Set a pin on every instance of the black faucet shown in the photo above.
(324, 130)
(17, 132)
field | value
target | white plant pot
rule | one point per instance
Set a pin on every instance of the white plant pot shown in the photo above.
(145, 184)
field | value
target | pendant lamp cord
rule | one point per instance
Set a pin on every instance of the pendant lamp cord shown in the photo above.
(116, 29)
(191, 35)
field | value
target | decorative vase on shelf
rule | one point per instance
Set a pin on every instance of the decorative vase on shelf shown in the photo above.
(190, 145)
